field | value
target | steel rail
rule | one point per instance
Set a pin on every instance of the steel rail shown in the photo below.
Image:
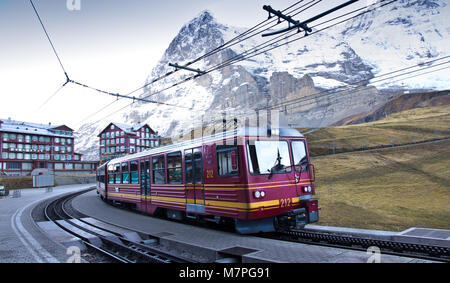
(134, 252)
(397, 248)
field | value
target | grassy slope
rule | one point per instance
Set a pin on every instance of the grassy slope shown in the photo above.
(423, 123)
(391, 189)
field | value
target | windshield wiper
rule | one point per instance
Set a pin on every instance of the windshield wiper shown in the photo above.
(277, 165)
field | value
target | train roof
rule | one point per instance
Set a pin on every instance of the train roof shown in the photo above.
(241, 132)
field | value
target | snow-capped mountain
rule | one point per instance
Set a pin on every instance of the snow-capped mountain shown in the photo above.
(309, 71)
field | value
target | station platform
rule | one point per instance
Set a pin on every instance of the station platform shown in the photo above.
(209, 244)
(21, 238)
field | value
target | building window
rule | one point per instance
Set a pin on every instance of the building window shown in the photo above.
(132, 141)
(69, 166)
(4, 155)
(113, 127)
(78, 166)
(59, 166)
(14, 165)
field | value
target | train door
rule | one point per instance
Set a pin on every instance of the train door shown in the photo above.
(145, 183)
(195, 194)
(301, 165)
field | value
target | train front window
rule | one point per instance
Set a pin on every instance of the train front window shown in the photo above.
(300, 157)
(268, 157)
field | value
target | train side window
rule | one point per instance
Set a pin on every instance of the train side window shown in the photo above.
(117, 173)
(227, 161)
(159, 170)
(174, 173)
(125, 173)
(111, 174)
(198, 166)
(188, 166)
(300, 156)
(134, 172)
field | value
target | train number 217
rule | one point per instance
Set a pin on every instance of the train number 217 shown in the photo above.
(285, 202)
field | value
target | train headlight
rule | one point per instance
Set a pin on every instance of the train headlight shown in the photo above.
(257, 194)
(309, 189)
(263, 194)
(305, 189)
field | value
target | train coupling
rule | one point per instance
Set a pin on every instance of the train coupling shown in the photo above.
(294, 219)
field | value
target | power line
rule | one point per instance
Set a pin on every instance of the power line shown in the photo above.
(49, 40)
(364, 82)
(53, 95)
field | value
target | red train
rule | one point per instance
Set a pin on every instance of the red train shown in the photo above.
(261, 183)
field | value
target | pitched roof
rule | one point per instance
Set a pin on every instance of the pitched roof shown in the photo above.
(21, 127)
(127, 128)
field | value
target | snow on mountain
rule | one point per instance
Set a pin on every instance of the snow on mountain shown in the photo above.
(396, 36)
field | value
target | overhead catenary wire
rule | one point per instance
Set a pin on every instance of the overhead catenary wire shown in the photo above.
(49, 40)
(363, 82)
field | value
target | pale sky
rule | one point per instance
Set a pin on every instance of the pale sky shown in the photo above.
(108, 44)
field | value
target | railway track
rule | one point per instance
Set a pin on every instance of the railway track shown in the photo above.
(413, 250)
(104, 241)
